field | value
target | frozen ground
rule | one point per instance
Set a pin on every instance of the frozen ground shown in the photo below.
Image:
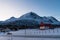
(32, 34)
(37, 32)
(23, 38)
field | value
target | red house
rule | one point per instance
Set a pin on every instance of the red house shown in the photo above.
(44, 25)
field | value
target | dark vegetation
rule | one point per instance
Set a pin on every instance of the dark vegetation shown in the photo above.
(21, 24)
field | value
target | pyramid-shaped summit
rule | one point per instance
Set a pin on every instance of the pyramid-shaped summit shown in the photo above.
(39, 19)
(11, 19)
(30, 15)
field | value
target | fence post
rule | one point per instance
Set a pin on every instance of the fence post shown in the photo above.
(10, 35)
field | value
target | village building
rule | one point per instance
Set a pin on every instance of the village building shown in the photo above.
(45, 25)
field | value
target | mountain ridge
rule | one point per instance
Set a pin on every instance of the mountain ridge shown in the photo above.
(33, 16)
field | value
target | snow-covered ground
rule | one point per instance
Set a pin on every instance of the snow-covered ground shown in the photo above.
(37, 32)
(32, 34)
(23, 38)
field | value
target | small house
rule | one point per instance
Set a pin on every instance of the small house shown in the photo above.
(44, 25)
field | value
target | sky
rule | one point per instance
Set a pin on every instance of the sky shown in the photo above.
(17, 8)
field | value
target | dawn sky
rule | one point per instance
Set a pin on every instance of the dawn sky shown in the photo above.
(16, 8)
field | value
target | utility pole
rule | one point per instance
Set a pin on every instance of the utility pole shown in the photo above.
(25, 30)
(10, 35)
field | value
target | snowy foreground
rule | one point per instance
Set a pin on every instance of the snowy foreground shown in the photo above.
(32, 34)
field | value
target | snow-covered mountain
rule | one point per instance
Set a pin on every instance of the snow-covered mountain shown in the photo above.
(30, 15)
(12, 19)
(39, 19)
(54, 20)
(30, 19)
(8, 21)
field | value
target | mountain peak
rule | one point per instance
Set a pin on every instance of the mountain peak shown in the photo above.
(30, 15)
(53, 18)
(12, 17)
